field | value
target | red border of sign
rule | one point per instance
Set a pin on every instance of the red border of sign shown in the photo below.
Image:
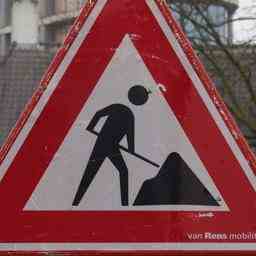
(208, 84)
(125, 253)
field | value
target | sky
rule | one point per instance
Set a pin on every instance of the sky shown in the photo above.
(244, 30)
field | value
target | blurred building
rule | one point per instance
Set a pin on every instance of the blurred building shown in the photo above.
(36, 22)
(46, 22)
(219, 13)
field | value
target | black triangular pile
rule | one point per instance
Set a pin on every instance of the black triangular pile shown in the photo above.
(175, 184)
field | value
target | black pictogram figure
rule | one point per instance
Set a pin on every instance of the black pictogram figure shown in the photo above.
(119, 123)
(175, 184)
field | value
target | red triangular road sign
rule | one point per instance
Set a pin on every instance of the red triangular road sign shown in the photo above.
(127, 61)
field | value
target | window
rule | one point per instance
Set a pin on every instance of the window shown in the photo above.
(189, 17)
(5, 13)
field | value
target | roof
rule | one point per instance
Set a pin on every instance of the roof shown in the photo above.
(19, 77)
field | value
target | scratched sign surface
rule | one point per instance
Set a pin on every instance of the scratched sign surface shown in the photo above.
(126, 146)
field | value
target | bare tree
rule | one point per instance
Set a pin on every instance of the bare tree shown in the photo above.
(231, 65)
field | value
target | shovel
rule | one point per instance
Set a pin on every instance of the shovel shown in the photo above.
(134, 154)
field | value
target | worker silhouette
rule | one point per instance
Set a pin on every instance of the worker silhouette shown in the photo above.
(119, 123)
